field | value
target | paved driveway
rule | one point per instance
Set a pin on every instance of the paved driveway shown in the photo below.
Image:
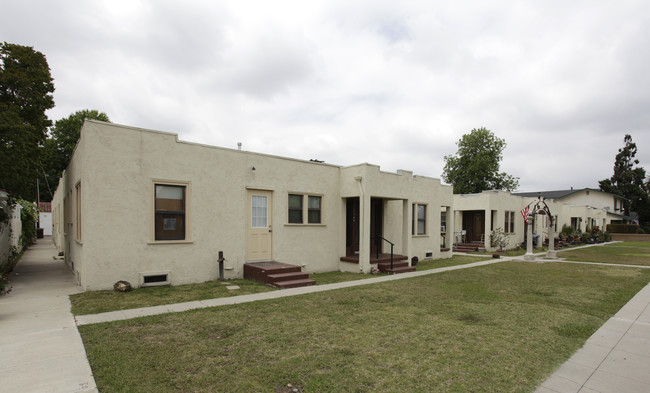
(40, 347)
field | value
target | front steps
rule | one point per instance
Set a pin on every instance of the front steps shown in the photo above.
(467, 247)
(382, 260)
(277, 274)
(398, 267)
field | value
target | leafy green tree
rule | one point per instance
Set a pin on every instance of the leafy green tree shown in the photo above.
(26, 88)
(475, 166)
(628, 181)
(58, 148)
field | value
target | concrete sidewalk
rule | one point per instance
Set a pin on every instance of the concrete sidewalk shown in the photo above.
(615, 359)
(40, 346)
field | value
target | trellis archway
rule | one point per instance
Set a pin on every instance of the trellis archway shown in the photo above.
(539, 207)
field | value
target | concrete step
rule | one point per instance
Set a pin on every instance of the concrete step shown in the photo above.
(402, 269)
(294, 283)
(287, 276)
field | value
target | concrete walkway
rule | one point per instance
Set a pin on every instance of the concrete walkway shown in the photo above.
(40, 347)
(615, 359)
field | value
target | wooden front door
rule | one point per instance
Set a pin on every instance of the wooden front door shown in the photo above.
(474, 224)
(376, 225)
(353, 222)
(259, 228)
(352, 226)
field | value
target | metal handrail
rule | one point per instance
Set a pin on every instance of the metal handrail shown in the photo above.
(377, 244)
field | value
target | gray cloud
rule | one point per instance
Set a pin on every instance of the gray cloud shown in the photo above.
(395, 84)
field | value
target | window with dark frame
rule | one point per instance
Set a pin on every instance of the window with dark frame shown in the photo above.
(169, 212)
(303, 205)
(313, 209)
(419, 220)
(295, 209)
(510, 222)
(78, 212)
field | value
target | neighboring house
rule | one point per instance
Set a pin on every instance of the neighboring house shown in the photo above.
(477, 215)
(600, 208)
(10, 229)
(135, 204)
(45, 217)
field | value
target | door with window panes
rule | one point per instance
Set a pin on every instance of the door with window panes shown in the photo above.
(259, 228)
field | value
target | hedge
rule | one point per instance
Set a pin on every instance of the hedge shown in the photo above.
(624, 228)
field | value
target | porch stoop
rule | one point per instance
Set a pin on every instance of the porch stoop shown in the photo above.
(398, 267)
(400, 262)
(277, 274)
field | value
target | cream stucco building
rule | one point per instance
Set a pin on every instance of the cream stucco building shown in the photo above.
(477, 215)
(142, 206)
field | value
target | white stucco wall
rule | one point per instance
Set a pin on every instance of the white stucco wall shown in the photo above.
(594, 198)
(10, 230)
(492, 201)
(117, 167)
(45, 220)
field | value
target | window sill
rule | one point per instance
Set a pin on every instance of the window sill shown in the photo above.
(79, 242)
(170, 242)
(304, 225)
(420, 235)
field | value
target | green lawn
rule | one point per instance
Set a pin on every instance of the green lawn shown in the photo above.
(428, 264)
(628, 253)
(93, 302)
(497, 328)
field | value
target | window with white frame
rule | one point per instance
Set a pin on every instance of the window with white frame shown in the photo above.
(509, 222)
(301, 206)
(419, 219)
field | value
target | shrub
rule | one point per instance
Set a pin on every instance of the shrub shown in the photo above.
(28, 217)
(498, 238)
(624, 228)
(567, 230)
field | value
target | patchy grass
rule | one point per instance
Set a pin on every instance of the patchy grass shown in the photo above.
(428, 264)
(628, 253)
(93, 302)
(334, 277)
(497, 328)
(515, 252)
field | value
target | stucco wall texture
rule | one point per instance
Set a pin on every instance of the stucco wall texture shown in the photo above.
(104, 208)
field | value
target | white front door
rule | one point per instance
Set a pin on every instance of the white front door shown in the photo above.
(259, 233)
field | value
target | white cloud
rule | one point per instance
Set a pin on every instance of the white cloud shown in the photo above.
(392, 83)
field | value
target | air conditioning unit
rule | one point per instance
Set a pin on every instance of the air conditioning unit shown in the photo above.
(443, 228)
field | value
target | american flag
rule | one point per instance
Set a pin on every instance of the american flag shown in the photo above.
(524, 212)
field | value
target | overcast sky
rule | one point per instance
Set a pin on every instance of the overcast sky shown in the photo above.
(392, 83)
